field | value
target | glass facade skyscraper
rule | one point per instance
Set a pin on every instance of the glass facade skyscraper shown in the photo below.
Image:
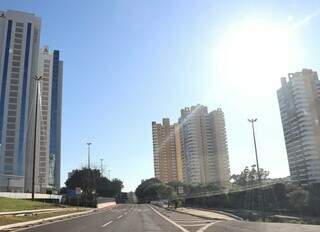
(20, 60)
(19, 49)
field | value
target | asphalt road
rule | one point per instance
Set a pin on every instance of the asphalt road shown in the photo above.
(141, 218)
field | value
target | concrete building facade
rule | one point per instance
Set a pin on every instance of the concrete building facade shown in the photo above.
(48, 146)
(299, 102)
(19, 49)
(204, 146)
(20, 61)
(167, 163)
(193, 151)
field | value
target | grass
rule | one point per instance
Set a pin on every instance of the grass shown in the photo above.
(5, 220)
(11, 204)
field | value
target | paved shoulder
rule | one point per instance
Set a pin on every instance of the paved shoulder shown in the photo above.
(242, 226)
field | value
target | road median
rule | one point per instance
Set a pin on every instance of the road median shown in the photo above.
(10, 222)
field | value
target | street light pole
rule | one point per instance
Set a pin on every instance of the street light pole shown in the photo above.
(252, 121)
(101, 160)
(37, 79)
(8, 187)
(89, 144)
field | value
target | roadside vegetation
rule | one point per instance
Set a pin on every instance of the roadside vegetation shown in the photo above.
(92, 184)
(5, 220)
(245, 197)
(11, 204)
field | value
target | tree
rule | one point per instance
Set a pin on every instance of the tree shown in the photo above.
(140, 190)
(86, 179)
(91, 181)
(298, 199)
(153, 189)
(116, 186)
(103, 187)
(249, 177)
(63, 190)
(314, 199)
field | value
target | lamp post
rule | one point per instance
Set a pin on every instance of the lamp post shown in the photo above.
(252, 121)
(89, 144)
(109, 174)
(37, 79)
(101, 167)
(8, 187)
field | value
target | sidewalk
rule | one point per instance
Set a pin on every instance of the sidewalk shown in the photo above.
(205, 214)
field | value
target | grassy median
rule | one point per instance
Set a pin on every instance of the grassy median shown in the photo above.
(5, 220)
(11, 204)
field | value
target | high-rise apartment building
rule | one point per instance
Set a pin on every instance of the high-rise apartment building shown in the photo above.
(204, 146)
(194, 150)
(19, 50)
(299, 102)
(47, 175)
(167, 162)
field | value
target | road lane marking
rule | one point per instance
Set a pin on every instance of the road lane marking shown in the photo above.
(108, 223)
(193, 224)
(202, 229)
(194, 221)
(169, 220)
(120, 217)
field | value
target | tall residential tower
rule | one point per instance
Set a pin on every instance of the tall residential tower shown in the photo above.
(204, 146)
(299, 101)
(193, 151)
(47, 174)
(166, 145)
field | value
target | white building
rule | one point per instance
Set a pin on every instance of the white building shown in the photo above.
(299, 101)
(204, 146)
(19, 49)
(47, 175)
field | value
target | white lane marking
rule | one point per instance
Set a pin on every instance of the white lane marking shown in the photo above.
(108, 223)
(202, 229)
(194, 221)
(169, 220)
(120, 217)
(193, 224)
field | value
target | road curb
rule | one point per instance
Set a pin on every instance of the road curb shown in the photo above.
(31, 211)
(200, 216)
(41, 221)
(224, 213)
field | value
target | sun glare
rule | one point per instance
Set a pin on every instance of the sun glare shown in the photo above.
(253, 57)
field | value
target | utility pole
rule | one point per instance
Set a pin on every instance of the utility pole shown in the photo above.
(101, 163)
(8, 187)
(37, 79)
(252, 121)
(89, 144)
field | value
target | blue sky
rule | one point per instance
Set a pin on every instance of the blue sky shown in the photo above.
(128, 63)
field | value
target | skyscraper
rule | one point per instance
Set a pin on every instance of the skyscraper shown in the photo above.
(193, 151)
(47, 174)
(167, 160)
(19, 49)
(204, 146)
(299, 102)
